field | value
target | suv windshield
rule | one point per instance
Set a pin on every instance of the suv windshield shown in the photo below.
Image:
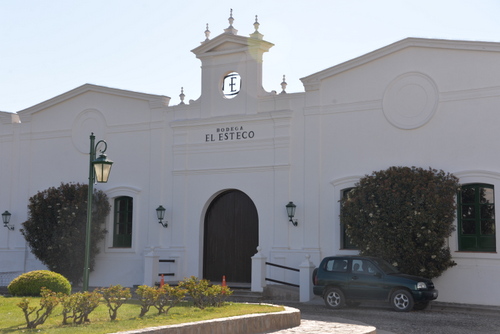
(385, 266)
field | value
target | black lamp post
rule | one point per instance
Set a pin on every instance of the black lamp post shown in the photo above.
(98, 171)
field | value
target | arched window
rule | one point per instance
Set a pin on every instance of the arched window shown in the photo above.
(476, 218)
(122, 223)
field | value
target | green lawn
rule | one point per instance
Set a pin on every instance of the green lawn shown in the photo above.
(12, 318)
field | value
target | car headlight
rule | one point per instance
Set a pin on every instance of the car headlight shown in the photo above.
(421, 286)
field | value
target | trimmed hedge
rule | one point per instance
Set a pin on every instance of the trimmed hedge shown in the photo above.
(31, 283)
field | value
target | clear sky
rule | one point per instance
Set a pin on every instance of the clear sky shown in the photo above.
(48, 47)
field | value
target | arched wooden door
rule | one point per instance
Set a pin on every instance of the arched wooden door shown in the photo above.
(231, 237)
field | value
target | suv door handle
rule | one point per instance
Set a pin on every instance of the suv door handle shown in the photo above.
(354, 278)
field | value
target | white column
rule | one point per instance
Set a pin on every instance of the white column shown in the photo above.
(305, 280)
(258, 271)
(150, 268)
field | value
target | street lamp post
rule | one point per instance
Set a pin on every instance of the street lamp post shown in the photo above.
(98, 171)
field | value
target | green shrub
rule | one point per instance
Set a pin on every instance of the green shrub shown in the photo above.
(56, 224)
(78, 306)
(147, 296)
(162, 298)
(404, 216)
(31, 283)
(196, 289)
(170, 296)
(48, 302)
(217, 295)
(203, 293)
(115, 296)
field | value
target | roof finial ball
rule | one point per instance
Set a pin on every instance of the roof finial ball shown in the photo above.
(207, 34)
(231, 20)
(256, 34)
(256, 24)
(182, 96)
(230, 29)
(283, 85)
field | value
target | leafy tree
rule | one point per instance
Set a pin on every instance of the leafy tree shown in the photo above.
(404, 216)
(55, 230)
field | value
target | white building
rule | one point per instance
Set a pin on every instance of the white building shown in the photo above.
(225, 165)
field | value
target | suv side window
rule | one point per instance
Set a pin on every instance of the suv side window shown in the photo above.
(337, 265)
(363, 267)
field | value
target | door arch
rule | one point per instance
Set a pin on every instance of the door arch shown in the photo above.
(231, 236)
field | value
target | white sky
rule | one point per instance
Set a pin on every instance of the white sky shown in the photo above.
(48, 47)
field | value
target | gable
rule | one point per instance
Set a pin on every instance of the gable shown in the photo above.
(434, 46)
(154, 101)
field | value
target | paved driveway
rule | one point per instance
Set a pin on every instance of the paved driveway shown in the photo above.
(435, 320)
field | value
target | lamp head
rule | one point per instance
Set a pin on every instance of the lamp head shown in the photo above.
(290, 210)
(102, 167)
(160, 213)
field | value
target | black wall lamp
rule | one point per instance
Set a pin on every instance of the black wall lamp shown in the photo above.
(290, 210)
(160, 213)
(6, 219)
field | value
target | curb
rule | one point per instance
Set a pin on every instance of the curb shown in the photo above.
(244, 324)
(455, 307)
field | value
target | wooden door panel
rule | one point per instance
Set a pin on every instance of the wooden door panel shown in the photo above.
(230, 237)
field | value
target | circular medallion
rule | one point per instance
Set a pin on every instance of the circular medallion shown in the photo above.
(87, 122)
(231, 85)
(410, 101)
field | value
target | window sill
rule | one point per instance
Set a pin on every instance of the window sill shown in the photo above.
(119, 250)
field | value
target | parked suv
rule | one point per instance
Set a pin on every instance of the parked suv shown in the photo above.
(342, 280)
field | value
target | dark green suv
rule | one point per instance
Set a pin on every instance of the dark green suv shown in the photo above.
(342, 280)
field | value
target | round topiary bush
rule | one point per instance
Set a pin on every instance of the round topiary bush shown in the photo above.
(404, 215)
(30, 284)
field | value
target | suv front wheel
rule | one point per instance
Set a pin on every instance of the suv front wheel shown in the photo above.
(402, 301)
(334, 298)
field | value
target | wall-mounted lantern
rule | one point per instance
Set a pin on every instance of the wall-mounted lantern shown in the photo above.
(160, 213)
(290, 210)
(6, 219)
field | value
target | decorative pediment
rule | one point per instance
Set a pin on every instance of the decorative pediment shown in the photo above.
(228, 43)
(311, 82)
(155, 101)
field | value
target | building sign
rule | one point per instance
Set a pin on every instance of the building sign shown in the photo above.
(229, 133)
(231, 85)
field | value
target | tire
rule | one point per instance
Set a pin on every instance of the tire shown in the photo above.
(420, 306)
(334, 298)
(402, 301)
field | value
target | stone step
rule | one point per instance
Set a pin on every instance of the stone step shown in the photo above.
(281, 292)
(245, 296)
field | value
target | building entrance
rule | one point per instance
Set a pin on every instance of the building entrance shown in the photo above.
(231, 237)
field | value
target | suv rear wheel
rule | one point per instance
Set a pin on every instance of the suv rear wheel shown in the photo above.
(334, 298)
(402, 301)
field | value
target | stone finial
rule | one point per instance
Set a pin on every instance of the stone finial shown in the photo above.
(283, 85)
(182, 96)
(256, 23)
(230, 29)
(207, 34)
(256, 34)
(231, 19)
